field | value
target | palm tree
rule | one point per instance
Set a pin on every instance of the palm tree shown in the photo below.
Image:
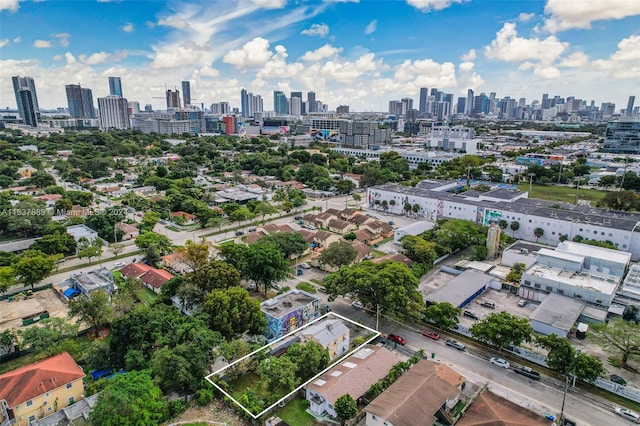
(416, 208)
(407, 208)
(392, 203)
(515, 225)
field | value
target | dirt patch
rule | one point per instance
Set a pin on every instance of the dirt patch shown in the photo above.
(216, 413)
(11, 313)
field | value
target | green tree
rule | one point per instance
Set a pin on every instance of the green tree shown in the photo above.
(443, 315)
(346, 408)
(389, 285)
(501, 329)
(618, 335)
(338, 254)
(279, 373)
(56, 243)
(149, 220)
(263, 209)
(566, 360)
(47, 337)
(262, 263)
(162, 243)
(419, 250)
(515, 225)
(356, 197)
(515, 274)
(33, 266)
(233, 312)
(90, 249)
(291, 244)
(95, 311)
(132, 398)
(233, 350)
(7, 278)
(503, 224)
(214, 275)
(478, 253)
(538, 232)
(310, 357)
(8, 339)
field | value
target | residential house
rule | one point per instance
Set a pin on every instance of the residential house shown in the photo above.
(289, 311)
(86, 283)
(129, 231)
(379, 229)
(323, 239)
(175, 262)
(355, 178)
(271, 228)
(49, 199)
(354, 376)
(40, 389)
(322, 219)
(26, 171)
(82, 231)
(428, 391)
(333, 212)
(364, 252)
(254, 236)
(395, 257)
(331, 334)
(310, 219)
(361, 219)
(366, 237)
(349, 214)
(489, 409)
(340, 226)
(152, 278)
(183, 218)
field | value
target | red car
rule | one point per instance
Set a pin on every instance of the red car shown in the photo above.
(396, 339)
(431, 334)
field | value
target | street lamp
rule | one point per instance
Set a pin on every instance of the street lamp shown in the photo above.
(531, 175)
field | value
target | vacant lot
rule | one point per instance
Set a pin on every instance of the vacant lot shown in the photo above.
(566, 194)
(11, 313)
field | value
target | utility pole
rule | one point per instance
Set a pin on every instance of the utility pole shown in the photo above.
(377, 316)
(577, 187)
(531, 175)
(564, 397)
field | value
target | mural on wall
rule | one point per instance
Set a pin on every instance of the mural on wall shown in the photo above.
(440, 209)
(480, 215)
(373, 196)
(293, 320)
(491, 216)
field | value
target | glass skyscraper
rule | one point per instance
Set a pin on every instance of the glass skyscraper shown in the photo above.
(24, 89)
(115, 86)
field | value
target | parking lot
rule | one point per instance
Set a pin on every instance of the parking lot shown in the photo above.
(11, 313)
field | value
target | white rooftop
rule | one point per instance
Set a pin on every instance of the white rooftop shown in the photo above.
(587, 250)
(561, 255)
(577, 279)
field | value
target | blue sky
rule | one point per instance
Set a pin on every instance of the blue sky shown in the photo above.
(361, 54)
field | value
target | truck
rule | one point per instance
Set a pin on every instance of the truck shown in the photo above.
(527, 372)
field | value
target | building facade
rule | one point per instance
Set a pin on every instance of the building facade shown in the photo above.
(114, 113)
(24, 89)
(289, 311)
(115, 86)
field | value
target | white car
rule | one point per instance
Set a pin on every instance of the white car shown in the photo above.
(305, 265)
(499, 362)
(118, 264)
(357, 304)
(628, 414)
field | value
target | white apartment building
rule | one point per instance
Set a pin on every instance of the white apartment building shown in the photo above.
(554, 218)
(414, 157)
(114, 113)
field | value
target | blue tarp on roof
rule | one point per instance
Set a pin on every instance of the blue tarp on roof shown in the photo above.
(97, 374)
(71, 292)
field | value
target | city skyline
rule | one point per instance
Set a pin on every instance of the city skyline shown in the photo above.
(348, 53)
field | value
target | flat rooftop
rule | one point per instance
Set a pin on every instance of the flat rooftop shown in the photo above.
(93, 280)
(577, 279)
(286, 302)
(587, 250)
(558, 311)
(461, 288)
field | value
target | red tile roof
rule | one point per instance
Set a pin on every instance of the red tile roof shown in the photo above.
(25, 383)
(156, 278)
(135, 270)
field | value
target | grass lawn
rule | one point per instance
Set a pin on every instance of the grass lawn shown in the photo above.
(146, 296)
(309, 288)
(377, 253)
(238, 386)
(294, 413)
(562, 193)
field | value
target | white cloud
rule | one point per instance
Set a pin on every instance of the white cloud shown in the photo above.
(548, 72)
(429, 5)
(57, 58)
(326, 51)
(63, 38)
(270, 4)
(70, 58)
(10, 5)
(371, 27)
(508, 47)
(565, 14)
(575, 60)
(426, 73)
(128, 27)
(17, 39)
(321, 30)
(469, 56)
(95, 58)
(4, 42)
(150, 25)
(625, 62)
(254, 54)
(42, 44)
(466, 66)
(526, 17)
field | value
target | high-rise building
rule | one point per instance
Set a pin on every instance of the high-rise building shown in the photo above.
(469, 103)
(342, 109)
(462, 103)
(186, 93)
(76, 95)
(250, 103)
(173, 99)
(148, 108)
(407, 104)
(134, 108)
(115, 86)
(295, 105)
(280, 103)
(244, 103)
(424, 92)
(114, 113)
(27, 102)
(311, 101)
(88, 110)
(629, 111)
(546, 103)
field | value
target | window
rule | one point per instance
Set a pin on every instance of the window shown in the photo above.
(29, 403)
(527, 282)
(536, 285)
(595, 232)
(549, 288)
(47, 394)
(610, 234)
(560, 291)
(577, 296)
(71, 400)
(69, 385)
(580, 229)
(49, 408)
(32, 418)
(602, 233)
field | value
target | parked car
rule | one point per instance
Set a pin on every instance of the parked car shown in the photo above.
(357, 304)
(305, 265)
(239, 232)
(568, 422)
(118, 264)
(627, 414)
(522, 303)
(527, 372)
(297, 218)
(431, 334)
(617, 379)
(397, 339)
(391, 223)
(488, 304)
(470, 314)
(499, 362)
(252, 229)
(454, 343)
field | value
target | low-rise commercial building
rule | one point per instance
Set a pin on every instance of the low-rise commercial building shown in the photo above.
(289, 311)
